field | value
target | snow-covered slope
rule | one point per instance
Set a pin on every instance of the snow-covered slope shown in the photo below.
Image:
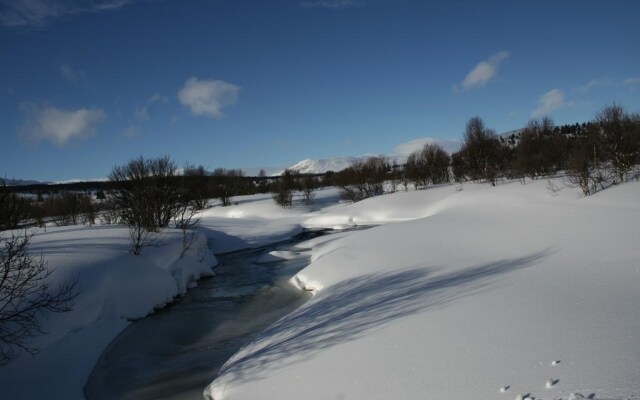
(114, 288)
(485, 293)
(309, 166)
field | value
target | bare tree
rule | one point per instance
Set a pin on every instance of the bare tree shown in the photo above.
(13, 208)
(141, 236)
(428, 165)
(196, 186)
(283, 189)
(147, 197)
(309, 187)
(620, 133)
(579, 169)
(541, 150)
(481, 151)
(186, 219)
(363, 179)
(458, 167)
(227, 183)
(25, 295)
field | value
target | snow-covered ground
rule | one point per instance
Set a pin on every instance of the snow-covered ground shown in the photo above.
(114, 288)
(117, 287)
(484, 293)
(257, 220)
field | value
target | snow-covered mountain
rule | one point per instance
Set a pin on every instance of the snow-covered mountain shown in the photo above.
(18, 182)
(310, 166)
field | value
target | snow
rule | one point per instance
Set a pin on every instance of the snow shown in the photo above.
(280, 255)
(115, 287)
(310, 166)
(480, 293)
(336, 164)
(457, 294)
(118, 287)
(257, 221)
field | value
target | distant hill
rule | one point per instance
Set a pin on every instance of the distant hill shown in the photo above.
(310, 166)
(19, 182)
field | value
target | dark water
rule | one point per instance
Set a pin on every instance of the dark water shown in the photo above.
(177, 352)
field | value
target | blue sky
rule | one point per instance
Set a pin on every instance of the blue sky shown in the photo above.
(86, 85)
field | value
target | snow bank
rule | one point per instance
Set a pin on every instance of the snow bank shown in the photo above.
(257, 220)
(485, 293)
(280, 255)
(115, 287)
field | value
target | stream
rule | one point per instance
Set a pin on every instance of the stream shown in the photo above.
(176, 352)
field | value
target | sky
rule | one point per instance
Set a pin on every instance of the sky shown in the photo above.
(89, 84)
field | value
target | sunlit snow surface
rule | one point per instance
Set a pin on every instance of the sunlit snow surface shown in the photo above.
(457, 295)
(115, 287)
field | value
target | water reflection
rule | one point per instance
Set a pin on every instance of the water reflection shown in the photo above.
(177, 352)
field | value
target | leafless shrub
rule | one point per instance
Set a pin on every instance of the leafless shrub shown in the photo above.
(25, 296)
(147, 197)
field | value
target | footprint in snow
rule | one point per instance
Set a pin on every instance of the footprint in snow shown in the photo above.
(551, 382)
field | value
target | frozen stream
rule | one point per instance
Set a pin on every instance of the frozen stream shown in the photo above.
(176, 352)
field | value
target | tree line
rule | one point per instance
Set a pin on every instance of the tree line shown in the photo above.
(591, 156)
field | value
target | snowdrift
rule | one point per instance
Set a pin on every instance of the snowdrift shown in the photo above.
(115, 287)
(484, 293)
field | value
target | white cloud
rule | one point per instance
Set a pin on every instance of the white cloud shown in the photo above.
(141, 113)
(158, 98)
(333, 4)
(132, 131)
(56, 125)
(208, 97)
(36, 13)
(406, 148)
(71, 74)
(547, 103)
(631, 81)
(484, 71)
(592, 84)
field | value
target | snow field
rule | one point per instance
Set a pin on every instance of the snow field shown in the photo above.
(458, 294)
(115, 287)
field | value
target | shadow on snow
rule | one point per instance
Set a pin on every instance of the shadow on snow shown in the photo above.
(350, 309)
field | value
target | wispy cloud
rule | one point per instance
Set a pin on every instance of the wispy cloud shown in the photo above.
(37, 13)
(607, 82)
(484, 72)
(333, 4)
(549, 102)
(631, 81)
(57, 125)
(131, 132)
(158, 98)
(208, 97)
(593, 84)
(71, 74)
(143, 113)
(406, 148)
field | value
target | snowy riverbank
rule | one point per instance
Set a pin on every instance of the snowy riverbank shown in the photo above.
(455, 295)
(460, 294)
(117, 287)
